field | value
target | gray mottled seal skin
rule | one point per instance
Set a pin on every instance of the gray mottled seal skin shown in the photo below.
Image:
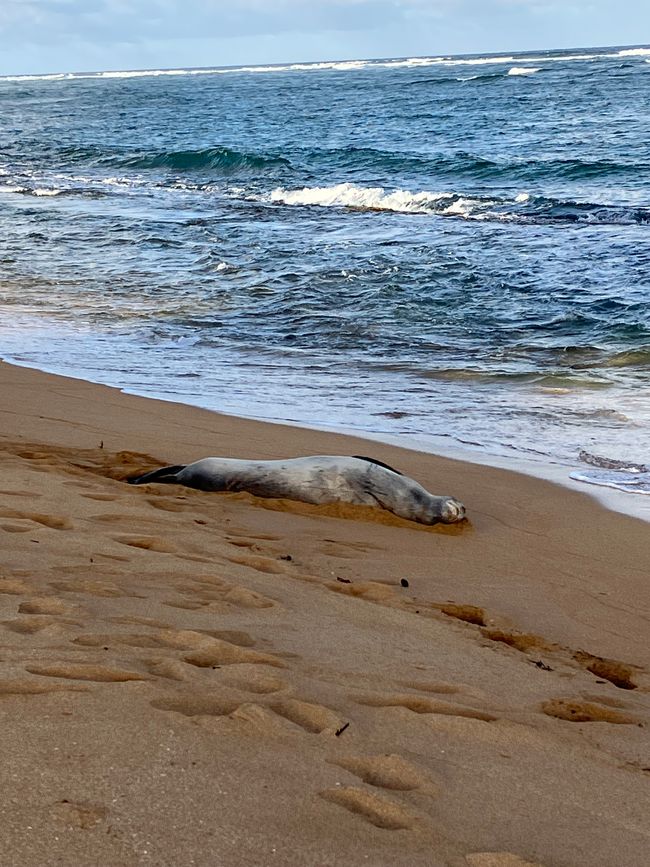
(317, 479)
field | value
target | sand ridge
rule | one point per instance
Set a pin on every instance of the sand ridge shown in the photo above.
(213, 679)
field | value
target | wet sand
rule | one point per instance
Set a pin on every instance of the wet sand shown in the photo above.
(205, 679)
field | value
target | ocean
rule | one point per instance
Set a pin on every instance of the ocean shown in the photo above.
(447, 252)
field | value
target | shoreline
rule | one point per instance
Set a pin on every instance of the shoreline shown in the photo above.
(630, 504)
(339, 685)
(169, 432)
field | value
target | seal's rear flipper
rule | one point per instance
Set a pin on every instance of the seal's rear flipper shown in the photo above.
(165, 475)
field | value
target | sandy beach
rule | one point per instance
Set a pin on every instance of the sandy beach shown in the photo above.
(219, 680)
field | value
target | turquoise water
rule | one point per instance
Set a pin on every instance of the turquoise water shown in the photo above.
(448, 249)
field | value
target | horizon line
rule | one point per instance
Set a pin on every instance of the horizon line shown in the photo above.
(284, 64)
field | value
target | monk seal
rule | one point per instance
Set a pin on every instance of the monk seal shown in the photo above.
(317, 479)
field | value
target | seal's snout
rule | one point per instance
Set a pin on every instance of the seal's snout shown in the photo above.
(452, 511)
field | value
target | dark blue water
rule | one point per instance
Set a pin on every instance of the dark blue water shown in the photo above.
(454, 250)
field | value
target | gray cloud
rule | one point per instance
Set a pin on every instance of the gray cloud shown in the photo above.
(108, 20)
(53, 35)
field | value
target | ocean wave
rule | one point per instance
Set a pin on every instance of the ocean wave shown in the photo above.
(630, 358)
(611, 464)
(355, 157)
(50, 192)
(221, 159)
(334, 65)
(110, 74)
(472, 165)
(365, 198)
(630, 482)
(523, 70)
(486, 76)
(634, 52)
(522, 208)
(35, 191)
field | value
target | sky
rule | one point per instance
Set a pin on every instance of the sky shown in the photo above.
(40, 36)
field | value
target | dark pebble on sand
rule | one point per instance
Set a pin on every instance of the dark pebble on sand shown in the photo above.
(404, 582)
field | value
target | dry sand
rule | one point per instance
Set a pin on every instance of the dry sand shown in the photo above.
(204, 679)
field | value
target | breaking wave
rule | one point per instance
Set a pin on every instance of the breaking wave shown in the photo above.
(340, 66)
(523, 207)
(523, 70)
(620, 480)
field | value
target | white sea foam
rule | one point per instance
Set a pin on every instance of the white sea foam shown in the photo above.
(58, 76)
(634, 52)
(630, 482)
(461, 207)
(448, 204)
(340, 65)
(41, 191)
(523, 70)
(351, 196)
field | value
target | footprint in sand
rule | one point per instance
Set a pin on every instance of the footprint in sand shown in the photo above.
(92, 587)
(165, 505)
(178, 639)
(218, 653)
(47, 605)
(15, 587)
(467, 613)
(248, 678)
(233, 636)
(371, 591)
(54, 522)
(146, 543)
(27, 686)
(207, 591)
(378, 811)
(204, 707)
(264, 537)
(616, 672)
(34, 623)
(261, 564)
(418, 704)
(171, 669)
(521, 641)
(435, 687)
(197, 705)
(129, 619)
(79, 814)
(585, 711)
(74, 671)
(497, 859)
(313, 718)
(116, 638)
(385, 772)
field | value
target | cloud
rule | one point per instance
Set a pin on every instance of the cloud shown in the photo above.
(107, 20)
(54, 35)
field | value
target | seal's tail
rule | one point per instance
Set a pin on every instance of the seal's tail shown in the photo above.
(164, 476)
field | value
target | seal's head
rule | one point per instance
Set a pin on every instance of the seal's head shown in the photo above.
(451, 511)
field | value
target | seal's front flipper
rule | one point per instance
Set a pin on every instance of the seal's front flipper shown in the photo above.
(163, 476)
